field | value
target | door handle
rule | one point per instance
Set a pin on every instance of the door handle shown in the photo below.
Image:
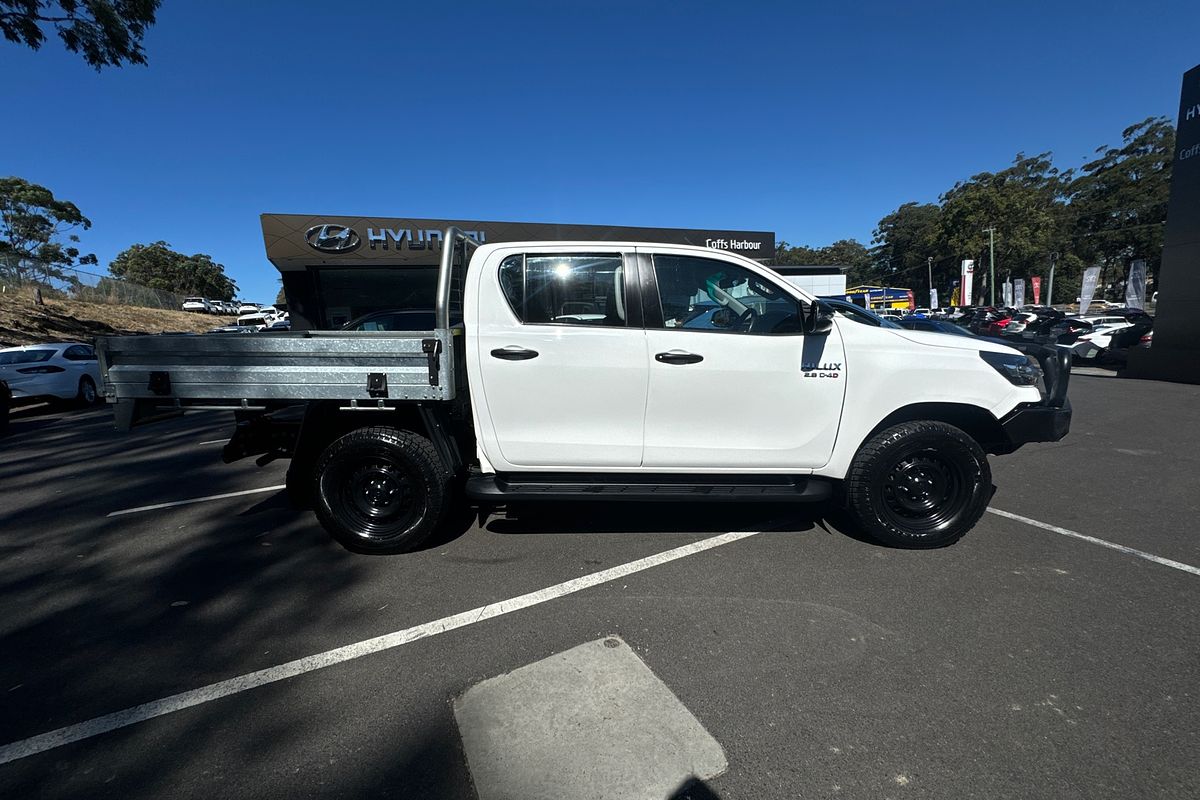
(678, 357)
(514, 353)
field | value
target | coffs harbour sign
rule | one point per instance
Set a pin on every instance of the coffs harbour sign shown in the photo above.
(330, 238)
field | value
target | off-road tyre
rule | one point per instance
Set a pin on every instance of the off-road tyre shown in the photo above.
(918, 485)
(380, 490)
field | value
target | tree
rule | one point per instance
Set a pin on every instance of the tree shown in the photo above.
(107, 33)
(159, 267)
(33, 223)
(1118, 204)
(905, 239)
(842, 253)
(1024, 205)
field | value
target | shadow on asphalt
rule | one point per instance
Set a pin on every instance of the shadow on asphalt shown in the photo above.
(185, 599)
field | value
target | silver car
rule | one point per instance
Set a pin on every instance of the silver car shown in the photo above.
(58, 371)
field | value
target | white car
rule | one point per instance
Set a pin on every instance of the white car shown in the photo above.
(256, 320)
(197, 304)
(58, 371)
(1089, 345)
(248, 308)
(1020, 322)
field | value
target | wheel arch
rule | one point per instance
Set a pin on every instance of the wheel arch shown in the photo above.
(976, 422)
(324, 422)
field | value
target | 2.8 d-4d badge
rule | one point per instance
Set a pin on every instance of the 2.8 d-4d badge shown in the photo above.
(332, 238)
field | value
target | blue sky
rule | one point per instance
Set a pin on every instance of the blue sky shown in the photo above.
(812, 122)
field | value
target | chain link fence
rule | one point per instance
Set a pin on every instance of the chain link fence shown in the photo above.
(22, 274)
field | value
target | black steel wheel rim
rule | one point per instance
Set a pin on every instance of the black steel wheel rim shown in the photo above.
(379, 496)
(925, 491)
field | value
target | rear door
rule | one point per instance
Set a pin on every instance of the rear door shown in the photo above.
(560, 370)
(734, 384)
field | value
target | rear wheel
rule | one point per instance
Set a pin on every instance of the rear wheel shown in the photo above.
(918, 485)
(87, 395)
(380, 490)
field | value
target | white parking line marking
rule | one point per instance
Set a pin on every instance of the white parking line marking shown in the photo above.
(213, 441)
(1120, 548)
(174, 503)
(252, 680)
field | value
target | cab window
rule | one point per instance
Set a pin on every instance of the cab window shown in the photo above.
(704, 294)
(575, 289)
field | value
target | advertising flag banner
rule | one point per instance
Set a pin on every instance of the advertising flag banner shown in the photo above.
(1090, 276)
(1019, 292)
(1037, 290)
(933, 298)
(1135, 287)
(1006, 293)
(968, 275)
(954, 297)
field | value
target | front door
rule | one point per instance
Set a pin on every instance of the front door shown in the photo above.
(734, 383)
(561, 360)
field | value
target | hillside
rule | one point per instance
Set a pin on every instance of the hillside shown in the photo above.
(22, 322)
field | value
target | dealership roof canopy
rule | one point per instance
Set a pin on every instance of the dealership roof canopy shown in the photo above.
(298, 241)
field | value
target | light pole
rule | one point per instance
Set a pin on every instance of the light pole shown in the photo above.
(1050, 288)
(929, 263)
(991, 232)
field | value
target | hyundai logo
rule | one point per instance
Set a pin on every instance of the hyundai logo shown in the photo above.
(332, 238)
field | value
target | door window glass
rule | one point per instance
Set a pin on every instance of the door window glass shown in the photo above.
(565, 289)
(708, 295)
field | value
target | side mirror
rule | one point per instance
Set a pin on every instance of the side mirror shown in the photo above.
(818, 321)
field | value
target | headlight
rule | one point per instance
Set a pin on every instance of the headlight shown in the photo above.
(1020, 370)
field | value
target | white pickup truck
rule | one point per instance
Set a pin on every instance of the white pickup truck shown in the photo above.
(608, 370)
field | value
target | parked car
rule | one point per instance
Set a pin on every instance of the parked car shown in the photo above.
(915, 323)
(5, 406)
(249, 308)
(1019, 323)
(56, 371)
(254, 322)
(232, 329)
(1120, 342)
(197, 305)
(278, 325)
(1091, 344)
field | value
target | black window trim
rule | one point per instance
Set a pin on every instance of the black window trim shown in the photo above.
(633, 300)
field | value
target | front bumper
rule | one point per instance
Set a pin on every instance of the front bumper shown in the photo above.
(1037, 423)
(1050, 419)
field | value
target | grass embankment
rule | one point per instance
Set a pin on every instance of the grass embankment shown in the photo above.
(22, 322)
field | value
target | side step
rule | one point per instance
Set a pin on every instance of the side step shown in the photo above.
(514, 487)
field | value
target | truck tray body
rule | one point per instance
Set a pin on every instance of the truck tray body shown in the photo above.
(225, 369)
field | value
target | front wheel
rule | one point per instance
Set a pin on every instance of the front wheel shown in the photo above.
(380, 490)
(918, 485)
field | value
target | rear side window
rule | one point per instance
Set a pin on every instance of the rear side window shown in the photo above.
(26, 356)
(79, 352)
(570, 289)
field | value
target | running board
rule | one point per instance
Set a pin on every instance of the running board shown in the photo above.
(514, 487)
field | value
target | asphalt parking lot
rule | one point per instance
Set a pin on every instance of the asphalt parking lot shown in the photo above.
(1021, 662)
